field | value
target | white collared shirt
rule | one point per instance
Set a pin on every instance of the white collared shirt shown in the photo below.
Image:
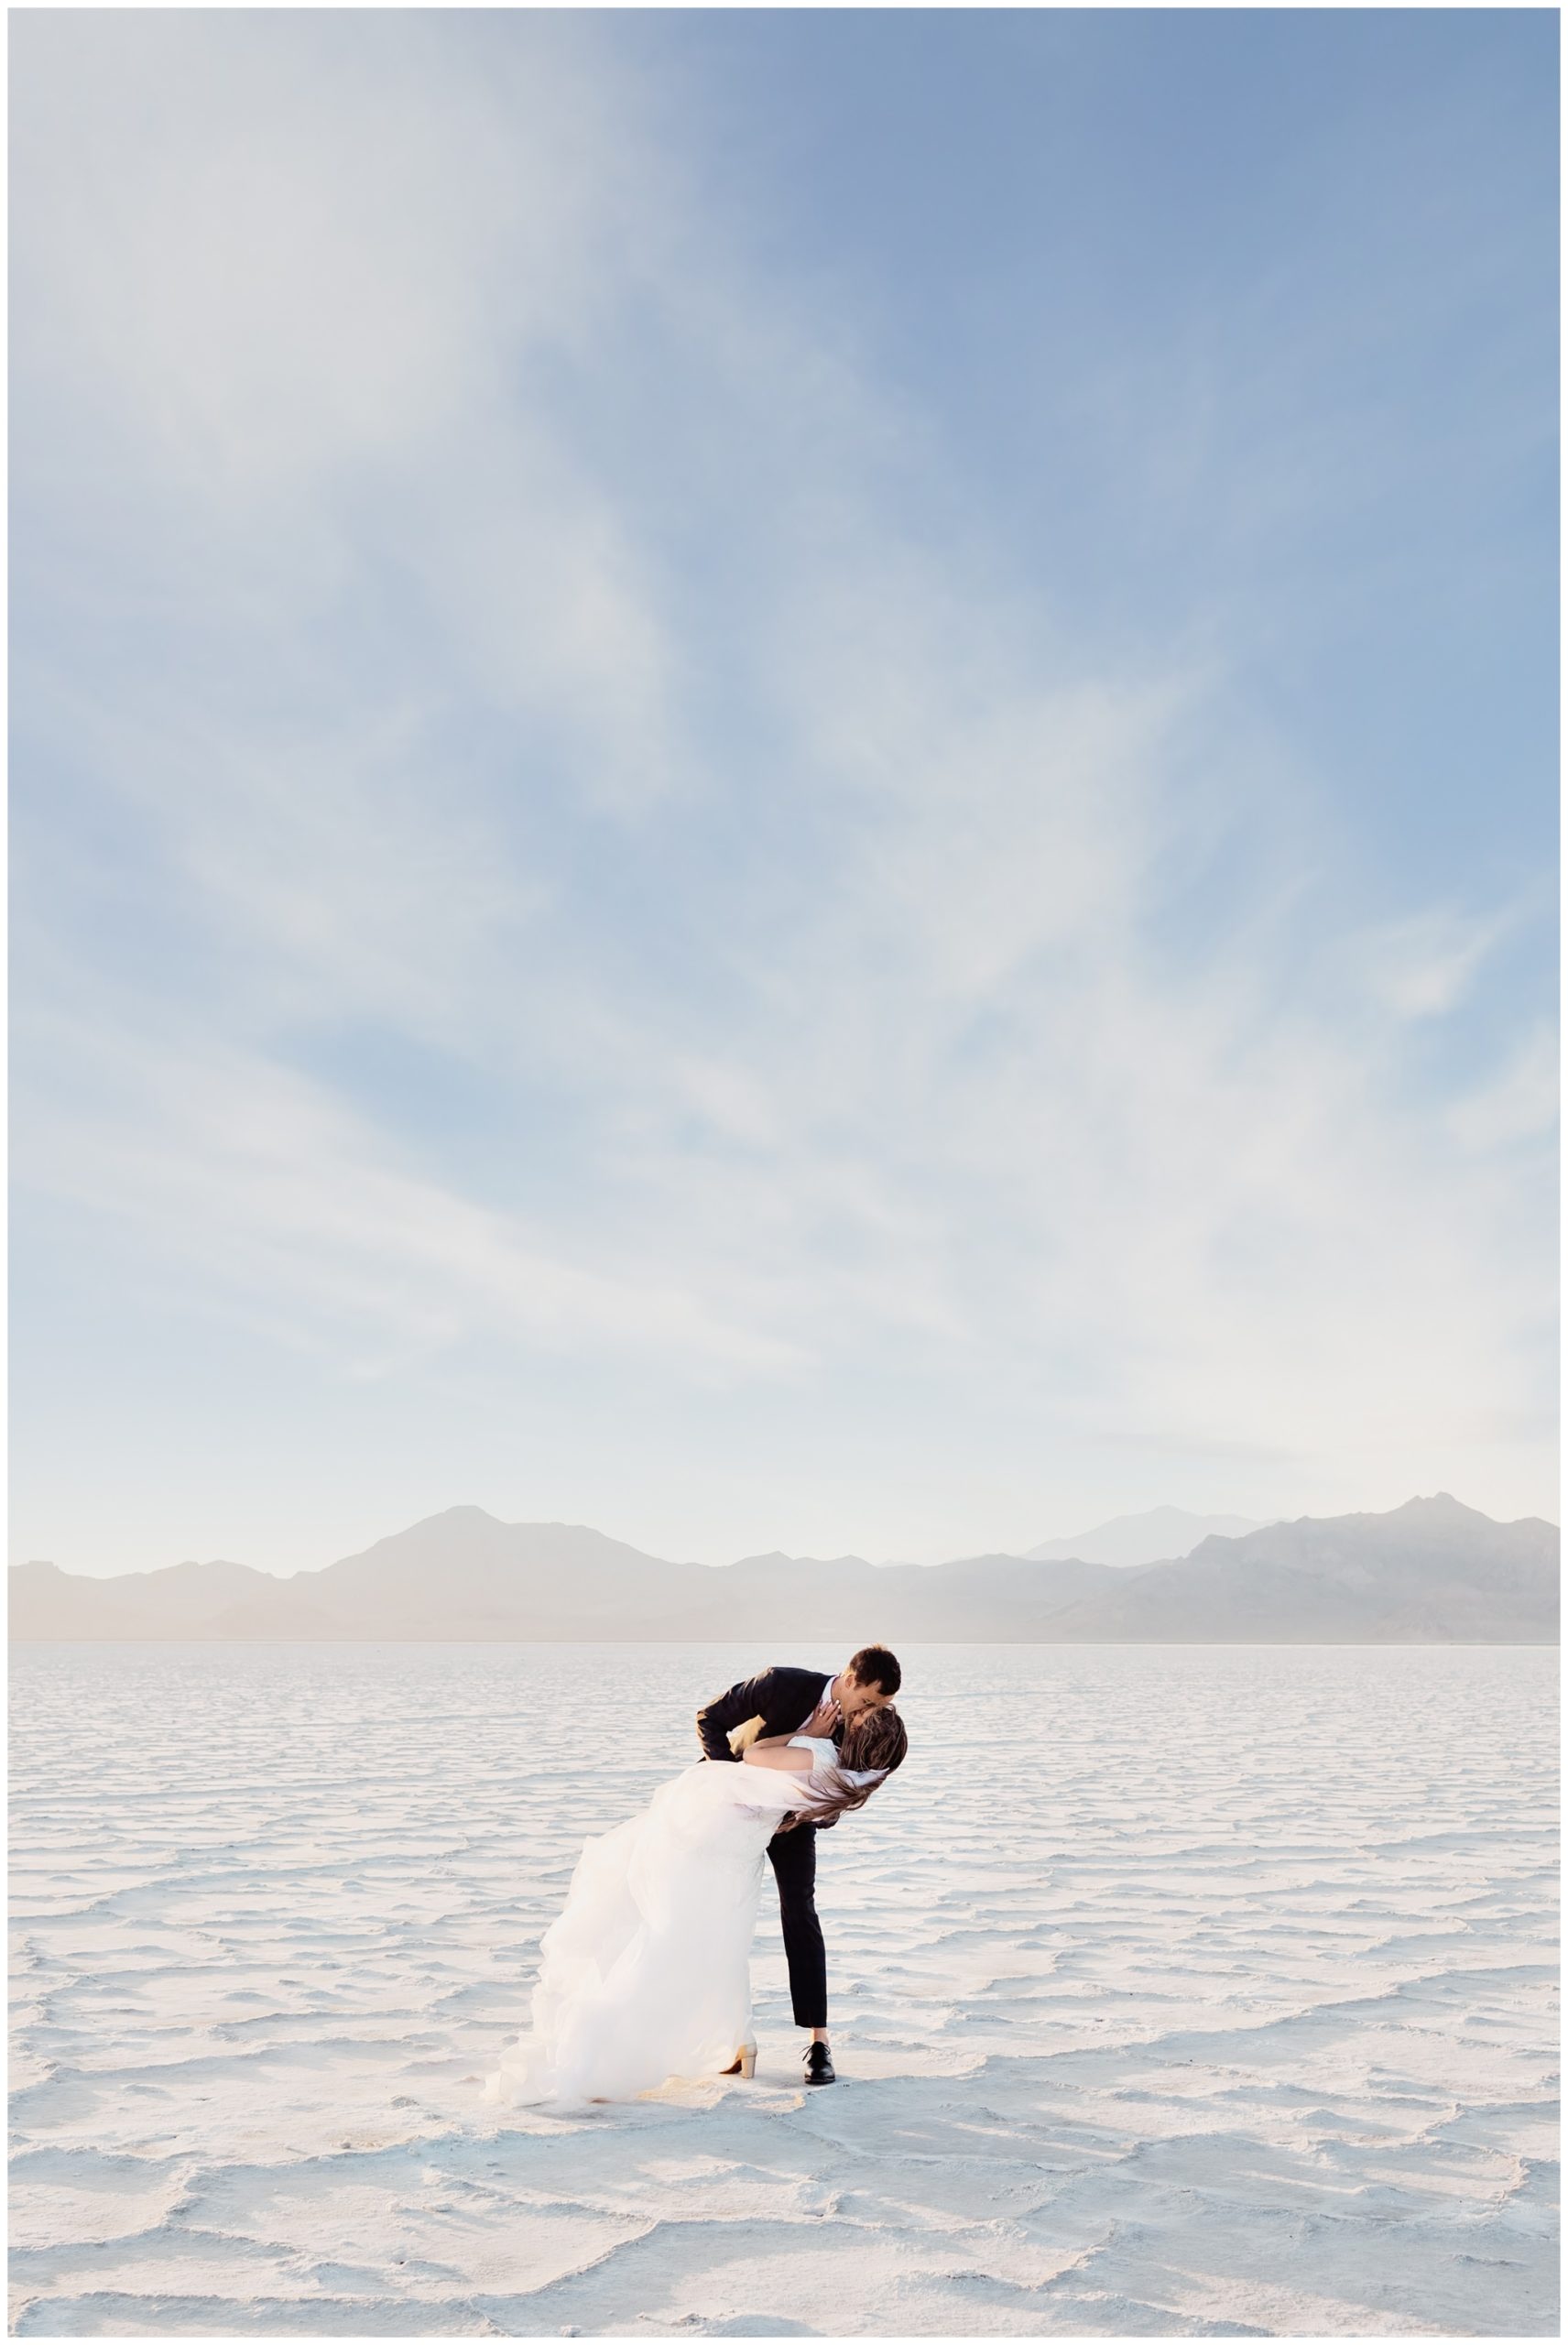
(816, 1706)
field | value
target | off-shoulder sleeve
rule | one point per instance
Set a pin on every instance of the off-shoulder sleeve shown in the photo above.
(778, 1788)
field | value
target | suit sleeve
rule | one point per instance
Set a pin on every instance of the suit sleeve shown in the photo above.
(715, 1723)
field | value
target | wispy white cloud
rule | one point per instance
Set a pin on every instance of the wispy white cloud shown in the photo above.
(494, 608)
(245, 1175)
(1518, 1104)
(1424, 965)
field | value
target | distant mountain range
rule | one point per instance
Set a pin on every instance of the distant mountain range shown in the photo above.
(1431, 1572)
(1164, 1533)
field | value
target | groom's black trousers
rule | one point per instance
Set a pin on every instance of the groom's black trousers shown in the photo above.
(774, 1702)
(793, 1856)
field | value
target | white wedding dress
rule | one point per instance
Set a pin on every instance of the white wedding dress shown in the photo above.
(646, 1973)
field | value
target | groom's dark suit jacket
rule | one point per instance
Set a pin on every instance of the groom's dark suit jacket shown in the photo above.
(781, 1698)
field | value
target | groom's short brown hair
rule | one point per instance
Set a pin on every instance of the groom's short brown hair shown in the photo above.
(875, 1666)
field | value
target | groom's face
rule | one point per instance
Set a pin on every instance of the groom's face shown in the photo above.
(855, 1697)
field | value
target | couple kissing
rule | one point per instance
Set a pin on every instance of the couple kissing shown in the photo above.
(645, 1976)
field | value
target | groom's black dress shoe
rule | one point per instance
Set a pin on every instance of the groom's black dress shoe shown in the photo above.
(819, 2066)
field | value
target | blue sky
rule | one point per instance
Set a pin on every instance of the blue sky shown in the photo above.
(779, 779)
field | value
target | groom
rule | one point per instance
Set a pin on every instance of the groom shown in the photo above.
(800, 1701)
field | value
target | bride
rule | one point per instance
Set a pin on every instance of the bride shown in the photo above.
(645, 1975)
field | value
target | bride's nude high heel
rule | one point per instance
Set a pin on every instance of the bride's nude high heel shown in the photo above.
(745, 2062)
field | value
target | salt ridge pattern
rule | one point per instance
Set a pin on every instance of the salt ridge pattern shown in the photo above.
(1177, 1991)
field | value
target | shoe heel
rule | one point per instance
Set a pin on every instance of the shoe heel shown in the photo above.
(748, 2060)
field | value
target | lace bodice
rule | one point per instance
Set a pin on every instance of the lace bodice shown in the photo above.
(827, 1759)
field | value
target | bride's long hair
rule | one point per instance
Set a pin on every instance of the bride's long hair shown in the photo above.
(874, 1739)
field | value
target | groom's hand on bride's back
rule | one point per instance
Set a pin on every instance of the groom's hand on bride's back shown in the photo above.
(719, 1718)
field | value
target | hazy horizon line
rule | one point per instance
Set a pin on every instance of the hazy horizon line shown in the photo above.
(886, 1563)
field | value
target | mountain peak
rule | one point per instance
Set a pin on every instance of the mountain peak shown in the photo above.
(1157, 1535)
